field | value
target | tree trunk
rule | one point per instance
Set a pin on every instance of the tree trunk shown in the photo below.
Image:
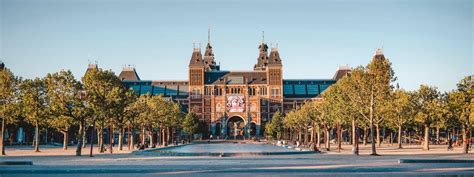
(377, 129)
(364, 140)
(437, 135)
(65, 139)
(355, 138)
(465, 141)
(37, 138)
(129, 142)
(120, 139)
(306, 135)
(100, 140)
(339, 137)
(291, 136)
(371, 116)
(318, 140)
(426, 145)
(2, 137)
(165, 140)
(111, 138)
(167, 136)
(142, 134)
(299, 135)
(328, 138)
(150, 134)
(84, 130)
(400, 137)
(132, 139)
(80, 139)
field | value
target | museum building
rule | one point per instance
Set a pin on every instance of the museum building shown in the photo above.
(234, 103)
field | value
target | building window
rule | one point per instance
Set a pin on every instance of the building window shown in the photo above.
(275, 92)
(252, 91)
(323, 87)
(300, 89)
(196, 93)
(313, 89)
(288, 89)
(218, 91)
(263, 91)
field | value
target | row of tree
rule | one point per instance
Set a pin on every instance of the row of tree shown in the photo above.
(98, 103)
(366, 99)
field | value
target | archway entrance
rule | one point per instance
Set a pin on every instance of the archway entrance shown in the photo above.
(253, 129)
(236, 128)
(218, 129)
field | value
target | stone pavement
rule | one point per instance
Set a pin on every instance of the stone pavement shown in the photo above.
(323, 164)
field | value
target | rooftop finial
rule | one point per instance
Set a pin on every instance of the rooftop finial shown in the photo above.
(379, 51)
(209, 35)
(194, 44)
(263, 37)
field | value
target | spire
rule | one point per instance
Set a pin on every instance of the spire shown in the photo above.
(379, 54)
(209, 35)
(209, 63)
(379, 51)
(262, 59)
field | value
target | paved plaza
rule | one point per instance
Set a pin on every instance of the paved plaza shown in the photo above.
(55, 162)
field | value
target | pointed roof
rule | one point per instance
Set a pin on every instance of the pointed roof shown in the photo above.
(378, 54)
(196, 58)
(341, 72)
(129, 74)
(92, 66)
(209, 62)
(262, 59)
(274, 57)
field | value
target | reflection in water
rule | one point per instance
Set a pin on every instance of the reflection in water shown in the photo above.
(229, 148)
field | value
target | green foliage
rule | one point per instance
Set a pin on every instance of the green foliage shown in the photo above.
(34, 102)
(190, 124)
(102, 88)
(11, 108)
(400, 112)
(459, 103)
(65, 105)
(275, 127)
(427, 103)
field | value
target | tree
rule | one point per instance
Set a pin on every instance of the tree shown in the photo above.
(336, 99)
(426, 103)
(137, 114)
(101, 86)
(401, 112)
(9, 98)
(66, 105)
(381, 74)
(460, 106)
(275, 127)
(120, 98)
(190, 125)
(360, 90)
(34, 101)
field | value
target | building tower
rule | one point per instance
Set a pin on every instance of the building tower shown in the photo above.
(209, 62)
(196, 82)
(275, 80)
(262, 59)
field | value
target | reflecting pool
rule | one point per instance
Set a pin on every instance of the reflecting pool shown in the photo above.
(229, 148)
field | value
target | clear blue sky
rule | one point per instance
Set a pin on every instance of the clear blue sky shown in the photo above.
(428, 42)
